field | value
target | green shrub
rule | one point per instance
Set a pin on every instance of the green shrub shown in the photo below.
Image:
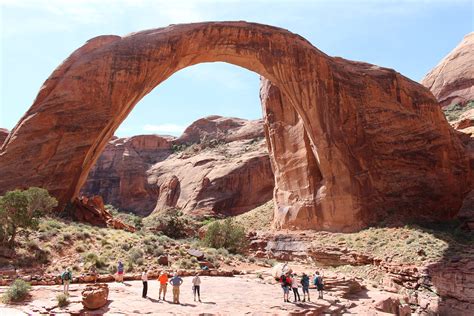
(135, 254)
(227, 234)
(17, 292)
(21, 210)
(93, 259)
(158, 251)
(62, 299)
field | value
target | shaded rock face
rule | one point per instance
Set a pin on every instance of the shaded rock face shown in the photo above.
(384, 148)
(229, 173)
(3, 135)
(119, 175)
(224, 168)
(452, 80)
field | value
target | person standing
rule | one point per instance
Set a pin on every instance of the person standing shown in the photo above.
(319, 283)
(93, 273)
(163, 279)
(120, 272)
(285, 282)
(197, 287)
(145, 282)
(294, 287)
(66, 278)
(305, 285)
(176, 282)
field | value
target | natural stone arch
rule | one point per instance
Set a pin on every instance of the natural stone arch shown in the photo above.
(368, 168)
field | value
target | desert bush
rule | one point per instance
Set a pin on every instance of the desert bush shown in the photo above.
(93, 259)
(135, 254)
(17, 292)
(158, 251)
(227, 234)
(62, 299)
(21, 210)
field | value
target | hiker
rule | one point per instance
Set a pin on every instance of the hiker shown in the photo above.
(294, 286)
(176, 282)
(120, 272)
(93, 273)
(197, 287)
(163, 279)
(145, 282)
(285, 285)
(66, 278)
(318, 282)
(305, 285)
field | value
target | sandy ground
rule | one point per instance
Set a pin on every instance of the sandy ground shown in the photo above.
(243, 295)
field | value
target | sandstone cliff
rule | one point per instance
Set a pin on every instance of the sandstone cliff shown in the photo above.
(221, 165)
(3, 135)
(452, 80)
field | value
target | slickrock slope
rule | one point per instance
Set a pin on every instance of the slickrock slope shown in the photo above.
(119, 175)
(3, 135)
(228, 178)
(222, 167)
(384, 148)
(452, 80)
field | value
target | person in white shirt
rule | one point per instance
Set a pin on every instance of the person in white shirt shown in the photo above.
(294, 286)
(197, 287)
(145, 282)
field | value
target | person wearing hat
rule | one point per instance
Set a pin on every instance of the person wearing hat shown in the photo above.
(176, 282)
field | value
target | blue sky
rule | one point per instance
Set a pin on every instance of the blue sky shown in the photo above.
(36, 36)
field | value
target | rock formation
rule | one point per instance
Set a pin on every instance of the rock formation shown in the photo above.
(119, 175)
(452, 80)
(228, 172)
(94, 296)
(92, 211)
(3, 135)
(383, 147)
(221, 166)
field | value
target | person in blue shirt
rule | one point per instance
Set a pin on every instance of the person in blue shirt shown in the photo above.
(176, 282)
(305, 285)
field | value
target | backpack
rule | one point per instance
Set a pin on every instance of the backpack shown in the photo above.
(66, 276)
(285, 280)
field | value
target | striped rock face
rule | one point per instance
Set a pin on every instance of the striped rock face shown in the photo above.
(352, 143)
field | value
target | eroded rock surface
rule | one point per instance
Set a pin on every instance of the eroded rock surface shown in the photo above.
(119, 175)
(226, 171)
(221, 165)
(452, 80)
(3, 135)
(384, 148)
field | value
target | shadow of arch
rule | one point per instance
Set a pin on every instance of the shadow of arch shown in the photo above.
(370, 170)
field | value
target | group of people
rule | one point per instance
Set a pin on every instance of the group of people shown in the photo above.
(289, 281)
(176, 281)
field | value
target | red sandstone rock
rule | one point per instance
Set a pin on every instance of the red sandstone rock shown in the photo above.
(119, 175)
(3, 135)
(452, 80)
(94, 296)
(384, 148)
(125, 176)
(231, 176)
(92, 211)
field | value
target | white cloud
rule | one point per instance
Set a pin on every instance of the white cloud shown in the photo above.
(164, 128)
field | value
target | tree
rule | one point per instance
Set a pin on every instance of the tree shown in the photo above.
(228, 235)
(20, 210)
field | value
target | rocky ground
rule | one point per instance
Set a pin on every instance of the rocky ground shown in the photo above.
(248, 294)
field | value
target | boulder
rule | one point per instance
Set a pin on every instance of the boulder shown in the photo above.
(163, 260)
(92, 211)
(388, 305)
(95, 296)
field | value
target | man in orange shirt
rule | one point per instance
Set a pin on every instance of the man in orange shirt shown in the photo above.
(163, 278)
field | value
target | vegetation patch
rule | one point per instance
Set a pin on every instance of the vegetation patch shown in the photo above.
(16, 292)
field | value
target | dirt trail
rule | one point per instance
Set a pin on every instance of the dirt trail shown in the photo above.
(220, 296)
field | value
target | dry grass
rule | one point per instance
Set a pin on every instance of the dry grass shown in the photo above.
(260, 218)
